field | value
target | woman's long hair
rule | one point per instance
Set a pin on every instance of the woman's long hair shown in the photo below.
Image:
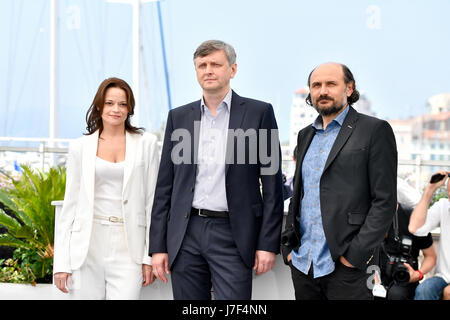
(93, 116)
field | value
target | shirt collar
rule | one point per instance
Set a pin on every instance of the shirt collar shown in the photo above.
(318, 123)
(226, 101)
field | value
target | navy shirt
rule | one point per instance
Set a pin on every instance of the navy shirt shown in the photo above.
(314, 248)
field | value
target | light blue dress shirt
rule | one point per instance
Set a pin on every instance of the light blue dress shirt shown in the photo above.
(314, 248)
(209, 191)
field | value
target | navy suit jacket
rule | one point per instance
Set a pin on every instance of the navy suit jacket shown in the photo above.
(255, 217)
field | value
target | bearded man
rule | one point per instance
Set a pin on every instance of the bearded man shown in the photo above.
(345, 188)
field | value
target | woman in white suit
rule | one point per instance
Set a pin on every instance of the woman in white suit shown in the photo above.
(102, 232)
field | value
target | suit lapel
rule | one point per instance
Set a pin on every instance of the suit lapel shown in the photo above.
(346, 130)
(88, 163)
(303, 146)
(193, 126)
(237, 112)
(130, 156)
(305, 142)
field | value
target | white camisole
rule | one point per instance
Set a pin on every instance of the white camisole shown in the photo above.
(108, 188)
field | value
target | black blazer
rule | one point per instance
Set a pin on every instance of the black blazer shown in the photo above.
(255, 218)
(358, 188)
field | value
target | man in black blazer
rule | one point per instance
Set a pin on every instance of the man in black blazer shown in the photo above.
(344, 192)
(210, 222)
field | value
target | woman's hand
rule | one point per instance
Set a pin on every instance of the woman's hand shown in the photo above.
(62, 281)
(147, 275)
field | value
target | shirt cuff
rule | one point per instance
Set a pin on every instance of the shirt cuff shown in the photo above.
(147, 260)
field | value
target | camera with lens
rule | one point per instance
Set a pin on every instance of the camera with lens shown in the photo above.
(289, 238)
(395, 268)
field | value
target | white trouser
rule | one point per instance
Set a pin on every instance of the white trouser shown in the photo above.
(108, 272)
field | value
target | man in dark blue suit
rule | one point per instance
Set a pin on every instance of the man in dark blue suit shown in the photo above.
(212, 223)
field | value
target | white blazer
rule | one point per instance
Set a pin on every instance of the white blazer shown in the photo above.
(74, 223)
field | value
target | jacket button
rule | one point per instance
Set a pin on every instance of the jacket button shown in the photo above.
(192, 189)
(186, 215)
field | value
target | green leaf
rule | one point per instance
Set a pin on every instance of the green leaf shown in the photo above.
(10, 223)
(29, 199)
(5, 198)
(25, 232)
(9, 241)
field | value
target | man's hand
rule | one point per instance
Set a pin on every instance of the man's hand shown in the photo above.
(264, 261)
(147, 275)
(345, 262)
(446, 293)
(432, 187)
(160, 263)
(419, 214)
(414, 276)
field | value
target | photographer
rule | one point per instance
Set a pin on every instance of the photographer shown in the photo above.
(400, 273)
(423, 220)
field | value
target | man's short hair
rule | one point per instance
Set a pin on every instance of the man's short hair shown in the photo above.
(209, 46)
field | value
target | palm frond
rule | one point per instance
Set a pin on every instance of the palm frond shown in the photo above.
(32, 228)
(9, 241)
(6, 196)
(8, 222)
(30, 199)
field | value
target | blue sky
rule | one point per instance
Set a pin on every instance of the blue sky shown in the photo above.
(398, 51)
